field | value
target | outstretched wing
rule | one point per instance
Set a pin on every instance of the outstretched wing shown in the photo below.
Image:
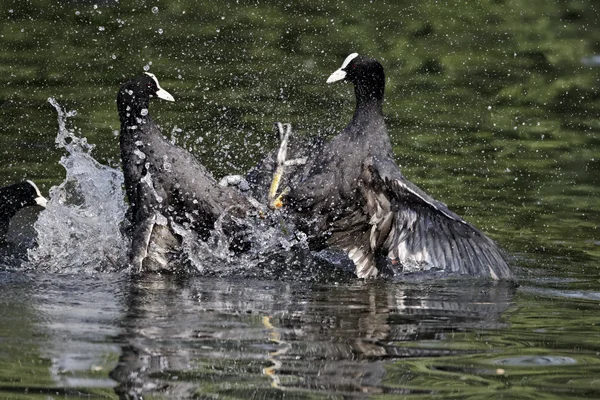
(416, 231)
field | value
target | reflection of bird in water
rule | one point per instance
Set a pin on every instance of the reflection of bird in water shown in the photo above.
(319, 338)
(275, 337)
(350, 194)
(165, 184)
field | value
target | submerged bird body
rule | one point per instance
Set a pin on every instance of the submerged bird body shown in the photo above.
(352, 195)
(164, 182)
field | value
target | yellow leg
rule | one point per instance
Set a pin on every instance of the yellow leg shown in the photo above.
(275, 182)
(278, 202)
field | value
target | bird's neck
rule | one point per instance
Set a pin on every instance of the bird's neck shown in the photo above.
(368, 107)
(131, 108)
(134, 124)
(369, 100)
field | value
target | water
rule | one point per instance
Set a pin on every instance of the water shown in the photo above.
(492, 107)
(173, 337)
(80, 229)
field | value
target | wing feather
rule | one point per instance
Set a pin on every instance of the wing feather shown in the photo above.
(420, 232)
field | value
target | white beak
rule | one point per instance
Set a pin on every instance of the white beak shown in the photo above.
(160, 93)
(41, 201)
(336, 76)
(163, 94)
(340, 73)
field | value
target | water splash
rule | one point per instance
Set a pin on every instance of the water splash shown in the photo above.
(80, 229)
(274, 250)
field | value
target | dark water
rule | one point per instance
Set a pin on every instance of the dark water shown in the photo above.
(164, 337)
(493, 108)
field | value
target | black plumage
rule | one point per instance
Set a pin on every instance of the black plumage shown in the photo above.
(352, 195)
(13, 198)
(164, 182)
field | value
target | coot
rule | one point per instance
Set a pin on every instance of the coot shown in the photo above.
(352, 195)
(13, 198)
(165, 184)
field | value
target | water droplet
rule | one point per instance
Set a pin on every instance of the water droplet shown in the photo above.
(114, 57)
(101, 28)
(146, 67)
(139, 155)
(144, 112)
(160, 31)
(154, 10)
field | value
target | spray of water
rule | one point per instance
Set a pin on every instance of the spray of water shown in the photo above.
(80, 229)
(273, 250)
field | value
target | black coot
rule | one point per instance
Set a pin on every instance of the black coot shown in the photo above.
(164, 182)
(13, 198)
(352, 195)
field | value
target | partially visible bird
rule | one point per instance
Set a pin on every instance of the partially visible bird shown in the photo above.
(15, 197)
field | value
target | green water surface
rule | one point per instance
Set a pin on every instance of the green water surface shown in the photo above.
(492, 106)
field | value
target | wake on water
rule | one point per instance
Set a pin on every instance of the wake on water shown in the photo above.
(81, 228)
